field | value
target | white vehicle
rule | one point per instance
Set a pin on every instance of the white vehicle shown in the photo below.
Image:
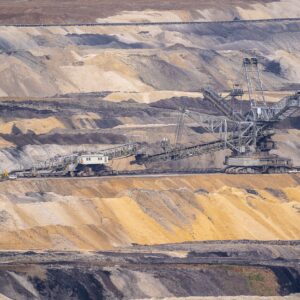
(12, 177)
(92, 159)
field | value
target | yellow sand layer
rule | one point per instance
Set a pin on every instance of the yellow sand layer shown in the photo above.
(149, 97)
(114, 212)
(39, 126)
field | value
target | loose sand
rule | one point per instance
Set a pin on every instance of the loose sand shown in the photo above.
(107, 213)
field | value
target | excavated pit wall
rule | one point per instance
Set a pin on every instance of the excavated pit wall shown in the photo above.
(107, 213)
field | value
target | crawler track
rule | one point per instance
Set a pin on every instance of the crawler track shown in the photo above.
(144, 173)
(113, 173)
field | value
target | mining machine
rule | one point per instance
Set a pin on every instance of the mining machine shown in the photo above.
(79, 164)
(247, 134)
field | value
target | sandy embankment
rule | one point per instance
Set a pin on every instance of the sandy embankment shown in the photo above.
(115, 212)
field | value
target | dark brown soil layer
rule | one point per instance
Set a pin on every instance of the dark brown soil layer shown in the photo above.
(208, 269)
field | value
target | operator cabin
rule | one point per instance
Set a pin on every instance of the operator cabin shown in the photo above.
(92, 159)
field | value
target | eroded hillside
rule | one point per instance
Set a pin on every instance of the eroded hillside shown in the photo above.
(117, 212)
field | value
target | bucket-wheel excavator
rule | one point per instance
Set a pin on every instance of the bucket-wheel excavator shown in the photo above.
(248, 135)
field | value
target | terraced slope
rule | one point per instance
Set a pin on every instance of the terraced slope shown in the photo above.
(166, 272)
(147, 63)
(116, 212)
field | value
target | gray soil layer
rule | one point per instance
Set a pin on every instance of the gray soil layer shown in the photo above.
(190, 269)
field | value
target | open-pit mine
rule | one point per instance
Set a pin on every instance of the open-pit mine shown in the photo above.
(149, 150)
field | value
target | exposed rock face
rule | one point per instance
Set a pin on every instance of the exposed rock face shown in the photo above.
(107, 213)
